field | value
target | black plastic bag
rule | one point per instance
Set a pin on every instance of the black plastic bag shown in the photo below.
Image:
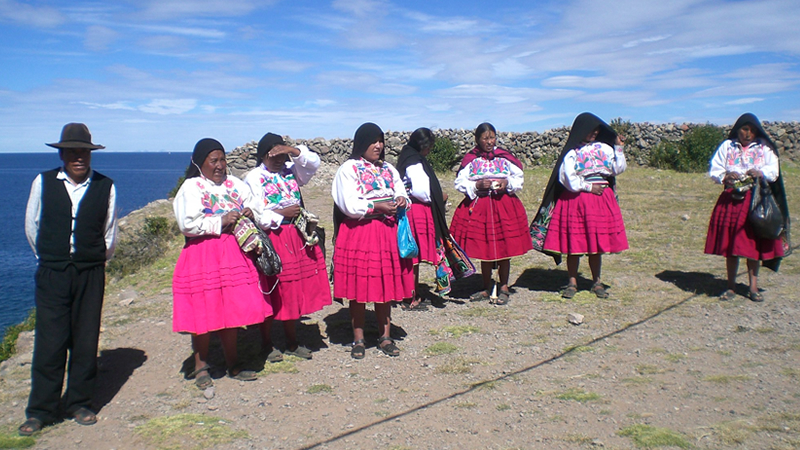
(765, 217)
(268, 262)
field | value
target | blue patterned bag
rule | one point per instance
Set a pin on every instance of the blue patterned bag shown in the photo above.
(405, 239)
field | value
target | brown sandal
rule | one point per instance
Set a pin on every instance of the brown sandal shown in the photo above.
(30, 426)
(599, 290)
(570, 291)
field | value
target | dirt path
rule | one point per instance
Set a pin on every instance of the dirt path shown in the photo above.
(662, 352)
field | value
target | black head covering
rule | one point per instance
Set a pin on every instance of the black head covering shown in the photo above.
(584, 124)
(266, 144)
(366, 135)
(778, 190)
(410, 155)
(199, 155)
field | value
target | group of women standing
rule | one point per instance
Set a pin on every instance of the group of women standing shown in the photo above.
(217, 287)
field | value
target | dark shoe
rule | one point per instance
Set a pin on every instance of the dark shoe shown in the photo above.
(756, 297)
(30, 426)
(727, 295)
(274, 356)
(204, 381)
(389, 349)
(359, 350)
(300, 352)
(479, 296)
(502, 298)
(570, 291)
(413, 307)
(84, 417)
(242, 375)
(599, 290)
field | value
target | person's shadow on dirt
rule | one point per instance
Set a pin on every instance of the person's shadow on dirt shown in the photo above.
(696, 282)
(340, 331)
(548, 280)
(115, 367)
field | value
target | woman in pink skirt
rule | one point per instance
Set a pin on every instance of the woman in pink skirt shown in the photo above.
(427, 212)
(302, 286)
(490, 224)
(740, 161)
(215, 285)
(367, 268)
(579, 214)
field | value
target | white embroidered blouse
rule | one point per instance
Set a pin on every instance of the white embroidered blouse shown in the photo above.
(495, 169)
(420, 183)
(732, 157)
(358, 183)
(278, 190)
(596, 158)
(200, 204)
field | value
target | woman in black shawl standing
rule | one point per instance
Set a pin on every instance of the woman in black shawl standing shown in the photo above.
(579, 214)
(739, 162)
(427, 213)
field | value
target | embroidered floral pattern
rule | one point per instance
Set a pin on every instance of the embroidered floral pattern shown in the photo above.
(280, 188)
(218, 203)
(481, 168)
(592, 159)
(743, 159)
(373, 178)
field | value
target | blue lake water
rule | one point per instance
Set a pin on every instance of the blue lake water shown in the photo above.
(140, 178)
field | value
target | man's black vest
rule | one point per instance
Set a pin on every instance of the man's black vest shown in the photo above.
(55, 223)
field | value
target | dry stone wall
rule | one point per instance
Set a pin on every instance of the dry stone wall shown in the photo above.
(532, 147)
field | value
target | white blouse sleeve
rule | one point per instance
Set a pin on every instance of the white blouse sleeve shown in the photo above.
(399, 186)
(515, 178)
(569, 178)
(619, 163)
(717, 169)
(464, 185)
(305, 165)
(345, 195)
(188, 208)
(33, 212)
(265, 216)
(771, 168)
(420, 183)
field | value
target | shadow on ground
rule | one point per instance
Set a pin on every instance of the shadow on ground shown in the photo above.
(696, 282)
(548, 280)
(115, 368)
(339, 330)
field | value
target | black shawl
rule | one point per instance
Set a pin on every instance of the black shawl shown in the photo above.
(584, 124)
(778, 190)
(201, 151)
(410, 156)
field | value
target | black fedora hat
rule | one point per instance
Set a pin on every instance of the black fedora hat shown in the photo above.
(76, 135)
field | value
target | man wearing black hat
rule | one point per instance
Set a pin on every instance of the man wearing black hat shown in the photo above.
(70, 222)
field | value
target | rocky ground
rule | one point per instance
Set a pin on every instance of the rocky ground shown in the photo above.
(661, 363)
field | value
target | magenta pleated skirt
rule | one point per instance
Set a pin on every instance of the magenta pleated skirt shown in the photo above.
(420, 217)
(584, 223)
(730, 234)
(367, 266)
(492, 228)
(215, 286)
(302, 286)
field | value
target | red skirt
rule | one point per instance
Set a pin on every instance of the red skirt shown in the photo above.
(420, 217)
(302, 286)
(492, 228)
(585, 223)
(730, 234)
(367, 266)
(215, 286)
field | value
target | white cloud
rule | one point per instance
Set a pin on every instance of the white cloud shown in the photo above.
(112, 106)
(99, 38)
(169, 106)
(25, 14)
(745, 101)
(169, 9)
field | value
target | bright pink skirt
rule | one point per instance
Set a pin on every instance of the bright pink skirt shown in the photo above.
(730, 234)
(420, 217)
(585, 223)
(302, 286)
(215, 286)
(367, 266)
(492, 228)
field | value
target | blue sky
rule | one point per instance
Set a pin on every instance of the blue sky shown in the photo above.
(153, 75)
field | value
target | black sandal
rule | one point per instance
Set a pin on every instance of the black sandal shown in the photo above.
(30, 426)
(84, 417)
(242, 375)
(728, 295)
(479, 296)
(570, 291)
(202, 382)
(599, 290)
(756, 297)
(358, 350)
(502, 298)
(412, 307)
(389, 349)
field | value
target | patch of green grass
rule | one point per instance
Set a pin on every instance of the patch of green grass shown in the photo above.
(726, 379)
(279, 367)
(764, 330)
(578, 439)
(479, 311)
(578, 349)
(459, 330)
(578, 395)
(648, 369)
(441, 348)
(648, 436)
(632, 381)
(8, 347)
(503, 407)
(485, 385)
(675, 357)
(790, 372)
(188, 431)
(466, 405)
(382, 413)
(319, 388)
(457, 365)
(9, 441)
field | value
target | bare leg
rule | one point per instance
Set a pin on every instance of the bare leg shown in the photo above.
(732, 266)
(573, 262)
(752, 272)
(486, 274)
(290, 330)
(595, 265)
(358, 312)
(228, 338)
(266, 334)
(504, 268)
(417, 299)
(200, 343)
(383, 311)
